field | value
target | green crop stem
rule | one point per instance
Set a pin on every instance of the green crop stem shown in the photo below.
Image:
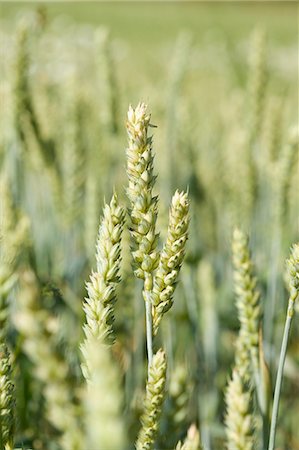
(149, 327)
(279, 376)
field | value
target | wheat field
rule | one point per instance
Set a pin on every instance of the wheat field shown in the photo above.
(149, 255)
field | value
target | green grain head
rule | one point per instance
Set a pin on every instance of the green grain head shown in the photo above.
(153, 402)
(171, 257)
(143, 205)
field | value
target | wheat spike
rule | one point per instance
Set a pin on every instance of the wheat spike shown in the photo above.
(238, 421)
(7, 402)
(171, 258)
(143, 209)
(153, 402)
(38, 329)
(103, 422)
(192, 441)
(99, 305)
(247, 303)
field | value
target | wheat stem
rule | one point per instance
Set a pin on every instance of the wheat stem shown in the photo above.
(279, 378)
(293, 269)
(149, 327)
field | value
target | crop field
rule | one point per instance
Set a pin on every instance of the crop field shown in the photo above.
(149, 213)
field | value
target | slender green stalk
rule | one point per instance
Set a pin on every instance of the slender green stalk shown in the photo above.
(293, 272)
(149, 326)
(280, 186)
(279, 378)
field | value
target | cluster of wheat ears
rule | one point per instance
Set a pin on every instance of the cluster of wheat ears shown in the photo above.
(98, 366)
(159, 271)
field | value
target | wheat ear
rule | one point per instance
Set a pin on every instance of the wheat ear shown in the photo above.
(175, 411)
(192, 441)
(38, 329)
(99, 305)
(103, 423)
(32, 137)
(143, 206)
(7, 402)
(13, 236)
(257, 83)
(247, 297)
(153, 402)
(272, 134)
(238, 421)
(286, 168)
(26, 118)
(75, 154)
(171, 258)
(249, 361)
(293, 275)
(108, 83)
(177, 71)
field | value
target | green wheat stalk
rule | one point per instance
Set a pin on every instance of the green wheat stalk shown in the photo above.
(293, 275)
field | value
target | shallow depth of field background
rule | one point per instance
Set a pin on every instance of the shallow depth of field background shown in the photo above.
(194, 65)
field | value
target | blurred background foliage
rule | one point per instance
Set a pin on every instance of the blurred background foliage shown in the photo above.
(221, 81)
